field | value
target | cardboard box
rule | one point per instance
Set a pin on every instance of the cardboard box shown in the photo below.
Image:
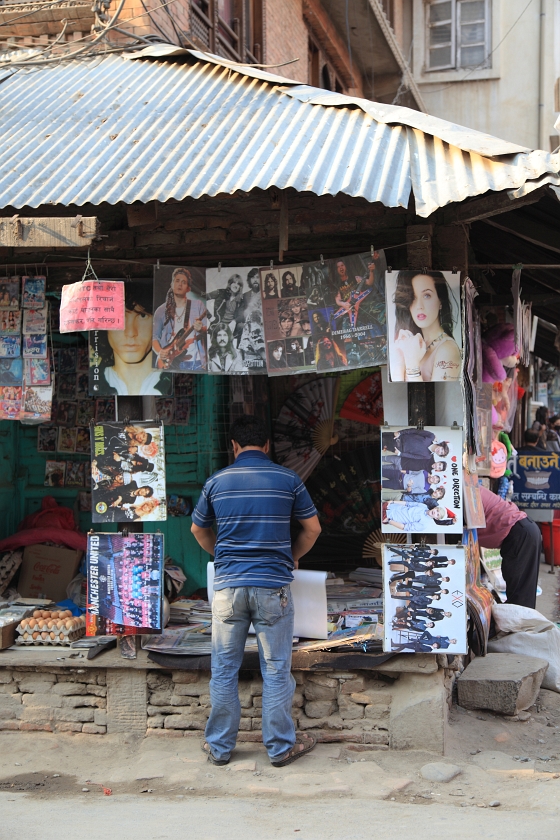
(8, 635)
(47, 570)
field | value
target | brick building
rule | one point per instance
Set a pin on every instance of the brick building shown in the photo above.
(311, 41)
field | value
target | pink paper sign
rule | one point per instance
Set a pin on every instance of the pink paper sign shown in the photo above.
(92, 305)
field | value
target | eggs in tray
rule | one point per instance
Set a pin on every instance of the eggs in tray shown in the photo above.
(50, 627)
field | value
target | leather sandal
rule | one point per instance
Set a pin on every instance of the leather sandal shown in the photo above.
(219, 762)
(293, 754)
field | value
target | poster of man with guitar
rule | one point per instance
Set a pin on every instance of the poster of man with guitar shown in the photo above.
(180, 319)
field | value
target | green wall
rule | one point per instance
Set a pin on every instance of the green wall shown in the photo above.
(193, 453)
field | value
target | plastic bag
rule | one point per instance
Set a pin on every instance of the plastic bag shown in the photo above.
(528, 633)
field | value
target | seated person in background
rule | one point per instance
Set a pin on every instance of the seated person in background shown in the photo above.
(532, 443)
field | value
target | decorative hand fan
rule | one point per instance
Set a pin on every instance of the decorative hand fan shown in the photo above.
(365, 402)
(303, 431)
(373, 545)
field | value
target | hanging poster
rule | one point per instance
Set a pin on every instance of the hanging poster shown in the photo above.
(121, 361)
(37, 404)
(327, 315)
(236, 341)
(35, 320)
(46, 439)
(10, 321)
(11, 371)
(124, 583)
(424, 325)
(10, 402)
(54, 473)
(474, 509)
(33, 295)
(421, 480)
(34, 346)
(37, 371)
(10, 346)
(128, 472)
(9, 292)
(424, 599)
(180, 322)
(92, 305)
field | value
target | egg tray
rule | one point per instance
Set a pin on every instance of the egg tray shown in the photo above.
(67, 639)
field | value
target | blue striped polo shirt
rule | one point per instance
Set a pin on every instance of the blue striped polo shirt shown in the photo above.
(252, 502)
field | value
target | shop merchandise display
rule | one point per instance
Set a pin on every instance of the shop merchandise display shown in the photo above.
(128, 472)
(124, 583)
(422, 480)
(425, 599)
(236, 341)
(50, 627)
(424, 331)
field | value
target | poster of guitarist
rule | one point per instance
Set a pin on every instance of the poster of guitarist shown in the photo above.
(120, 361)
(180, 319)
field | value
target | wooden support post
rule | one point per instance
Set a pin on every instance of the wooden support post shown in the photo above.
(421, 395)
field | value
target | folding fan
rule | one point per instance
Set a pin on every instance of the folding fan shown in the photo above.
(303, 430)
(373, 544)
(365, 402)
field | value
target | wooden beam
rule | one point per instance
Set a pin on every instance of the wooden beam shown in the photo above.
(25, 232)
(483, 208)
(533, 232)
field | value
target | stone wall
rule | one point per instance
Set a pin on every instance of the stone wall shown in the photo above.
(34, 700)
(403, 707)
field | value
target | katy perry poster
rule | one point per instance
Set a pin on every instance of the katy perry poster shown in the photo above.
(421, 480)
(180, 322)
(424, 325)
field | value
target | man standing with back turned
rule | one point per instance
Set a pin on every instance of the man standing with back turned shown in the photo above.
(252, 502)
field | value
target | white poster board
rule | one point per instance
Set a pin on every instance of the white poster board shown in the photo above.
(309, 592)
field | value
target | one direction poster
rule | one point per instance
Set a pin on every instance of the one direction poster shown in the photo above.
(180, 325)
(424, 330)
(128, 472)
(236, 342)
(421, 480)
(424, 599)
(327, 315)
(122, 361)
(124, 583)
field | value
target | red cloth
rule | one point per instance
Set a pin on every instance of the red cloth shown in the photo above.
(500, 515)
(52, 523)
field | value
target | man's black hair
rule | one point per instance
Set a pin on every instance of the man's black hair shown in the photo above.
(147, 487)
(248, 431)
(531, 436)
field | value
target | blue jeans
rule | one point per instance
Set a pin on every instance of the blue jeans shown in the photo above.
(271, 611)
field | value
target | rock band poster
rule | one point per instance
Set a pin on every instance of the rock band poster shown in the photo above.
(236, 341)
(424, 331)
(124, 583)
(325, 315)
(424, 599)
(180, 323)
(128, 472)
(421, 480)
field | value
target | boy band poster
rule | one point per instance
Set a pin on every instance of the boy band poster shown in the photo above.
(424, 598)
(128, 472)
(421, 480)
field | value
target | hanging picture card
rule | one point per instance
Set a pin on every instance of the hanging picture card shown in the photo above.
(124, 582)
(424, 598)
(424, 331)
(9, 292)
(128, 472)
(421, 480)
(92, 305)
(35, 320)
(180, 319)
(33, 296)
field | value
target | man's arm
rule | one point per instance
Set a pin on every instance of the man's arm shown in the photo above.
(205, 537)
(306, 538)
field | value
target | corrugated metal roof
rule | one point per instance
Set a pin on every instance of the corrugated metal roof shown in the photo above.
(109, 130)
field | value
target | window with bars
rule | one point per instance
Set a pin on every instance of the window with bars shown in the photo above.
(458, 34)
(230, 28)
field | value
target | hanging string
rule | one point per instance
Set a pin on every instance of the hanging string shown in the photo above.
(89, 273)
